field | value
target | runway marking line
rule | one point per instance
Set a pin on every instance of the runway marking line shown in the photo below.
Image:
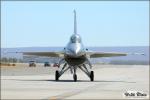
(75, 92)
(72, 93)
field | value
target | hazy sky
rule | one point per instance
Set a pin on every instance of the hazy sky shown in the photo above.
(43, 23)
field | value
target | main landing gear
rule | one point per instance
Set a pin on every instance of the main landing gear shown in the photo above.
(73, 69)
(92, 75)
(89, 74)
(56, 75)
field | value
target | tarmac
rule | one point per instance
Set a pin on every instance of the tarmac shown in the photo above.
(111, 82)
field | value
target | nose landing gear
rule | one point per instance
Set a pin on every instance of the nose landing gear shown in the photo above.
(75, 77)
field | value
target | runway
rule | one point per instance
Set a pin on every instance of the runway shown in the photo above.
(111, 82)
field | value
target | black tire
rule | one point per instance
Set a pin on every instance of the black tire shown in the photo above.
(75, 77)
(92, 76)
(57, 75)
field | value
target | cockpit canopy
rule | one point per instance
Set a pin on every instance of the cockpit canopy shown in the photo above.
(75, 38)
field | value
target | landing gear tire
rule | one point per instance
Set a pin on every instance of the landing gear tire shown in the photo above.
(57, 75)
(92, 76)
(75, 77)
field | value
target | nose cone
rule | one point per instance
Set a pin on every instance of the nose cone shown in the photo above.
(75, 50)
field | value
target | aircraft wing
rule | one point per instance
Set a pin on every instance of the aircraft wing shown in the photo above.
(104, 54)
(45, 54)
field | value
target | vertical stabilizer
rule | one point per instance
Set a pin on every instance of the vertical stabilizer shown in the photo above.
(75, 23)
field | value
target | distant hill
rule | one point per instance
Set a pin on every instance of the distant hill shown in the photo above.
(113, 60)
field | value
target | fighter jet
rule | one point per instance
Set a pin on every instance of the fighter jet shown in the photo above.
(75, 56)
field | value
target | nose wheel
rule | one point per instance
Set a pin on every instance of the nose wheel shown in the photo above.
(75, 77)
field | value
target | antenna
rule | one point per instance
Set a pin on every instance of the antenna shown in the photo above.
(75, 23)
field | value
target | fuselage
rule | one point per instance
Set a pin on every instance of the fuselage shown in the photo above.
(75, 53)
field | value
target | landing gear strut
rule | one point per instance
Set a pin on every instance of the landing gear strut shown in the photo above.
(59, 73)
(90, 74)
